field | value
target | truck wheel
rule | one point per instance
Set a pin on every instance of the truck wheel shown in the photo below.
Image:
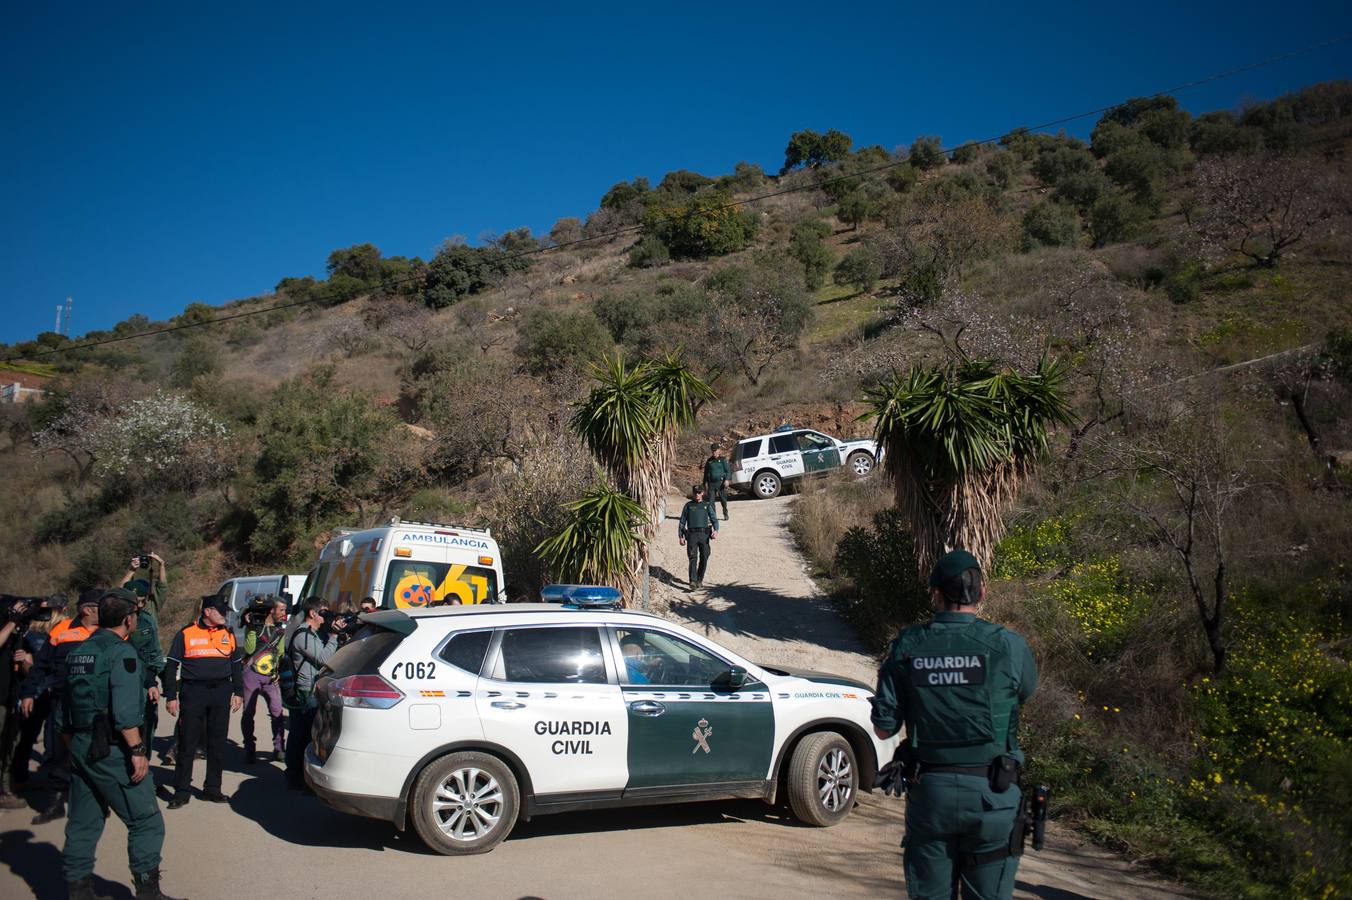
(767, 484)
(465, 803)
(822, 779)
(860, 463)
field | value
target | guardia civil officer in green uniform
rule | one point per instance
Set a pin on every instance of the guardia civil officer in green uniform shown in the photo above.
(696, 529)
(146, 640)
(716, 476)
(956, 683)
(102, 711)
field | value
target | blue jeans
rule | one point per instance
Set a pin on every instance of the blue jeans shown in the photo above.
(297, 739)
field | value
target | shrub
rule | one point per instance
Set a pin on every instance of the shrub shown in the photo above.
(649, 253)
(1003, 168)
(551, 340)
(902, 178)
(1114, 217)
(745, 177)
(161, 442)
(926, 153)
(361, 262)
(1183, 281)
(1138, 169)
(1050, 225)
(459, 270)
(881, 563)
(710, 224)
(1082, 189)
(860, 269)
(1220, 134)
(199, 357)
(759, 312)
(806, 246)
(566, 230)
(966, 153)
(1054, 165)
(625, 201)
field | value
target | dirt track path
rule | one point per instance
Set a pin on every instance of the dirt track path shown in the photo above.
(760, 602)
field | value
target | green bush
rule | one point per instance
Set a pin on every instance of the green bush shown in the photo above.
(881, 563)
(926, 153)
(550, 340)
(649, 253)
(860, 269)
(902, 178)
(1003, 168)
(1183, 281)
(710, 224)
(1050, 225)
(805, 245)
(1082, 189)
(1114, 217)
(1220, 134)
(626, 200)
(1139, 169)
(966, 153)
(360, 262)
(1055, 164)
(199, 357)
(459, 270)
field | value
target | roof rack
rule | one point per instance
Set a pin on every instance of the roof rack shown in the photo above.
(395, 520)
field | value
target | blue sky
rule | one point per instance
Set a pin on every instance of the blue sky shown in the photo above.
(154, 154)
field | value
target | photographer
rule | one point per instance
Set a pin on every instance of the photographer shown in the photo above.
(264, 643)
(150, 568)
(311, 647)
(32, 726)
(146, 640)
(44, 680)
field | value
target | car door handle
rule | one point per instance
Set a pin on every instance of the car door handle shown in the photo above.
(507, 704)
(649, 708)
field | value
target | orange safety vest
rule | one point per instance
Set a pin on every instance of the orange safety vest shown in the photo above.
(207, 643)
(66, 631)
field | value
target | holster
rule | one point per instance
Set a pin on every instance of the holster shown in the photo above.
(100, 738)
(1004, 772)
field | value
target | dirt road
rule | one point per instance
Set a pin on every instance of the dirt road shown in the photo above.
(271, 842)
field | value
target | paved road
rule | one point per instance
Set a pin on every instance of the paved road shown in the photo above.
(270, 842)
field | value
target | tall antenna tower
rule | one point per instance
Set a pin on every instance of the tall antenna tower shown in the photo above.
(65, 324)
(57, 326)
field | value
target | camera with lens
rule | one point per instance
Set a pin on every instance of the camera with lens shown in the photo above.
(341, 623)
(255, 615)
(24, 611)
(143, 561)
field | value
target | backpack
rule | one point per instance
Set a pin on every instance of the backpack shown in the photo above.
(286, 675)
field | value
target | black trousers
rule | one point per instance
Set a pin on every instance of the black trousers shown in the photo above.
(204, 718)
(29, 733)
(697, 550)
(717, 490)
(57, 762)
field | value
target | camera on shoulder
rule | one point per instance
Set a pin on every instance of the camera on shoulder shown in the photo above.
(255, 615)
(23, 611)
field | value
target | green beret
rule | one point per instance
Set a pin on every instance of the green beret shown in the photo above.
(138, 586)
(951, 565)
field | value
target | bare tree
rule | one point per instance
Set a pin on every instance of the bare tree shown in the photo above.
(1261, 205)
(1180, 476)
(474, 321)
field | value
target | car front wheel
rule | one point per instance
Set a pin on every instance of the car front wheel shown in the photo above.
(860, 463)
(822, 779)
(465, 803)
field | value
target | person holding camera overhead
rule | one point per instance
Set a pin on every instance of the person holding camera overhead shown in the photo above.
(149, 568)
(212, 688)
(264, 643)
(313, 645)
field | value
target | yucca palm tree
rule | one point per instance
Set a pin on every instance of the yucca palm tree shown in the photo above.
(629, 422)
(960, 441)
(596, 545)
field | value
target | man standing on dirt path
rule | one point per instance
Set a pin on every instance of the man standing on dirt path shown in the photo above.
(696, 529)
(716, 477)
(957, 683)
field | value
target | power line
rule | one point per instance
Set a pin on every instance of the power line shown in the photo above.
(629, 229)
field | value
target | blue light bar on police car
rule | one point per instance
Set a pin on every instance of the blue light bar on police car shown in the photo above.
(581, 596)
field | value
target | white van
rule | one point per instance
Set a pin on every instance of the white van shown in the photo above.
(239, 592)
(410, 565)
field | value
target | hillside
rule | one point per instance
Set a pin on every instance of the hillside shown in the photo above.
(1190, 272)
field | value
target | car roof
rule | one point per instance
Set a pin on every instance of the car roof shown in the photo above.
(548, 610)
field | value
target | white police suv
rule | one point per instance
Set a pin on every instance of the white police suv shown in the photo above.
(762, 465)
(460, 720)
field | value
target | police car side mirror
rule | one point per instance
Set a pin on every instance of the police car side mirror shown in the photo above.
(732, 679)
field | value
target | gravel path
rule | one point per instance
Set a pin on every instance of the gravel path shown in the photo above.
(759, 601)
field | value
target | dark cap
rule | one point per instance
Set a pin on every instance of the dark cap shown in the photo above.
(697, 489)
(951, 565)
(90, 597)
(138, 586)
(713, 446)
(216, 602)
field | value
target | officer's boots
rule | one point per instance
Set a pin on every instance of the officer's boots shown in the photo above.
(148, 886)
(84, 890)
(57, 810)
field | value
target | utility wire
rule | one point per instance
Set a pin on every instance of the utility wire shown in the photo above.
(629, 229)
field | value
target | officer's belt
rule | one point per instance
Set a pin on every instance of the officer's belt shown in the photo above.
(693, 530)
(979, 771)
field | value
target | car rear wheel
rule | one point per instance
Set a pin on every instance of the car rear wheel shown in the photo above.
(860, 463)
(822, 779)
(766, 484)
(465, 803)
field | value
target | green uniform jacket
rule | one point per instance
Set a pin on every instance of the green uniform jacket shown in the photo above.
(956, 683)
(715, 470)
(696, 514)
(103, 674)
(146, 640)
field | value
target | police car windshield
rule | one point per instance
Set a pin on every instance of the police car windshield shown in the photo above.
(414, 584)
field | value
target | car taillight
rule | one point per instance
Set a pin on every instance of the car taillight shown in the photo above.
(365, 692)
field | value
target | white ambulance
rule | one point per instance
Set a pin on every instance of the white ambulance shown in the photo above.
(410, 565)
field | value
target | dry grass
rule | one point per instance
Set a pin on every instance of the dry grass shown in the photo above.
(826, 509)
